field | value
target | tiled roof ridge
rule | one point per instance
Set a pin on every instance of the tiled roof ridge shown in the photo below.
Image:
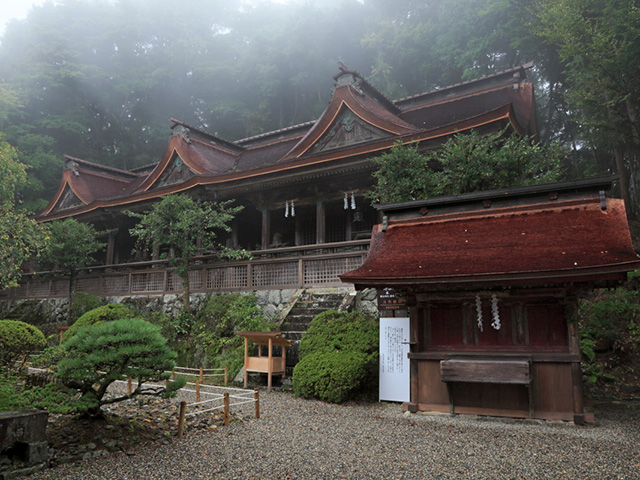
(99, 166)
(206, 134)
(276, 132)
(523, 67)
(510, 211)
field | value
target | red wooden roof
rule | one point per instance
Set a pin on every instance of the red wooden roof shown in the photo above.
(544, 243)
(503, 99)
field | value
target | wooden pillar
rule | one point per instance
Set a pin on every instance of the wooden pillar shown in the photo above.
(246, 357)
(320, 222)
(571, 316)
(111, 248)
(284, 361)
(234, 234)
(270, 365)
(348, 230)
(266, 227)
(299, 232)
(414, 384)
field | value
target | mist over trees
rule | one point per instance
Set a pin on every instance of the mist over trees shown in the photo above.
(100, 80)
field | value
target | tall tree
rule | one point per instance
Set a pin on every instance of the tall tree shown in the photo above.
(20, 237)
(466, 163)
(72, 247)
(183, 227)
(599, 41)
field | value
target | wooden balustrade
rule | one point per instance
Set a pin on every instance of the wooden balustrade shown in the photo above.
(289, 267)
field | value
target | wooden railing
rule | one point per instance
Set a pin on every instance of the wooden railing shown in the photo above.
(288, 267)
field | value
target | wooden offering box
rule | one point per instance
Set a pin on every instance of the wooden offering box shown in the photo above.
(264, 364)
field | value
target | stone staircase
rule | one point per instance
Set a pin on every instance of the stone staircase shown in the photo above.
(309, 304)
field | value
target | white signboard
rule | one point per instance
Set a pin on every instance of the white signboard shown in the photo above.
(394, 360)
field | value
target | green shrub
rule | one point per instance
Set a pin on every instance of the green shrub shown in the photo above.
(338, 357)
(11, 392)
(216, 323)
(165, 322)
(98, 355)
(609, 322)
(331, 376)
(106, 313)
(82, 302)
(18, 339)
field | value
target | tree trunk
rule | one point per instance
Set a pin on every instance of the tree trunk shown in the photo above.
(72, 281)
(186, 288)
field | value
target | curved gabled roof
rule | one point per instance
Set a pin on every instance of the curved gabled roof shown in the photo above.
(571, 240)
(359, 122)
(85, 182)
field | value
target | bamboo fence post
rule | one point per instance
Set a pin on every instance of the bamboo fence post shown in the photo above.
(129, 386)
(183, 407)
(226, 376)
(173, 374)
(200, 379)
(256, 398)
(198, 391)
(226, 408)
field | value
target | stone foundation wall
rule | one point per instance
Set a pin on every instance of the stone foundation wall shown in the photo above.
(47, 314)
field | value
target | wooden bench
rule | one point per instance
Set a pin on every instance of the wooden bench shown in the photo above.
(486, 371)
(499, 371)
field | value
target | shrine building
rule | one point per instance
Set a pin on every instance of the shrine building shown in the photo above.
(305, 216)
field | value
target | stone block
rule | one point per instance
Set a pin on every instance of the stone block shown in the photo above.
(23, 435)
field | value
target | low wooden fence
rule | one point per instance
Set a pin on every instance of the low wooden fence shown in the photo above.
(208, 398)
(289, 267)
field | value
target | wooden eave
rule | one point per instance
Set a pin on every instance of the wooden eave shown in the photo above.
(262, 338)
(578, 240)
(143, 193)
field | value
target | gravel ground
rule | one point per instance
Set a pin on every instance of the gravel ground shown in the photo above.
(302, 439)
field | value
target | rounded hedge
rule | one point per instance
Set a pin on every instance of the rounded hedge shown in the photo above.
(18, 339)
(106, 313)
(338, 357)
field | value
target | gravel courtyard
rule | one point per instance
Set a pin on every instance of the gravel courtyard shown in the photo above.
(302, 439)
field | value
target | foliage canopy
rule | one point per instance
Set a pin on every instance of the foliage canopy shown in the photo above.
(466, 163)
(98, 355)
(18, 339)
(183, 227)
(20, 237)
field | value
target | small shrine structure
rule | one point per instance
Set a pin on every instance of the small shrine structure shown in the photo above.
(270, 364)
(491, 282)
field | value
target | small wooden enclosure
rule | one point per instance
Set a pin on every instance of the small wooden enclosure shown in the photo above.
(490, 282)
(268, 364)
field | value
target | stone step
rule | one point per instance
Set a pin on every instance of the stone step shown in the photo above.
(291, 335)
(296, 327)
(299, 311)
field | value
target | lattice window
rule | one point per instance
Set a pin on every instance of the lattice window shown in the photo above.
(116, 284)
(174, 282)
(227, 277)
(196, 279)
(89, 285)
(147, 282)
(59, 287)
(40, 289)
(275, 274)
(327, 271)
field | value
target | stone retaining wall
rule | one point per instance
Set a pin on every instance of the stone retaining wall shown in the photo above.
(47, 314)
